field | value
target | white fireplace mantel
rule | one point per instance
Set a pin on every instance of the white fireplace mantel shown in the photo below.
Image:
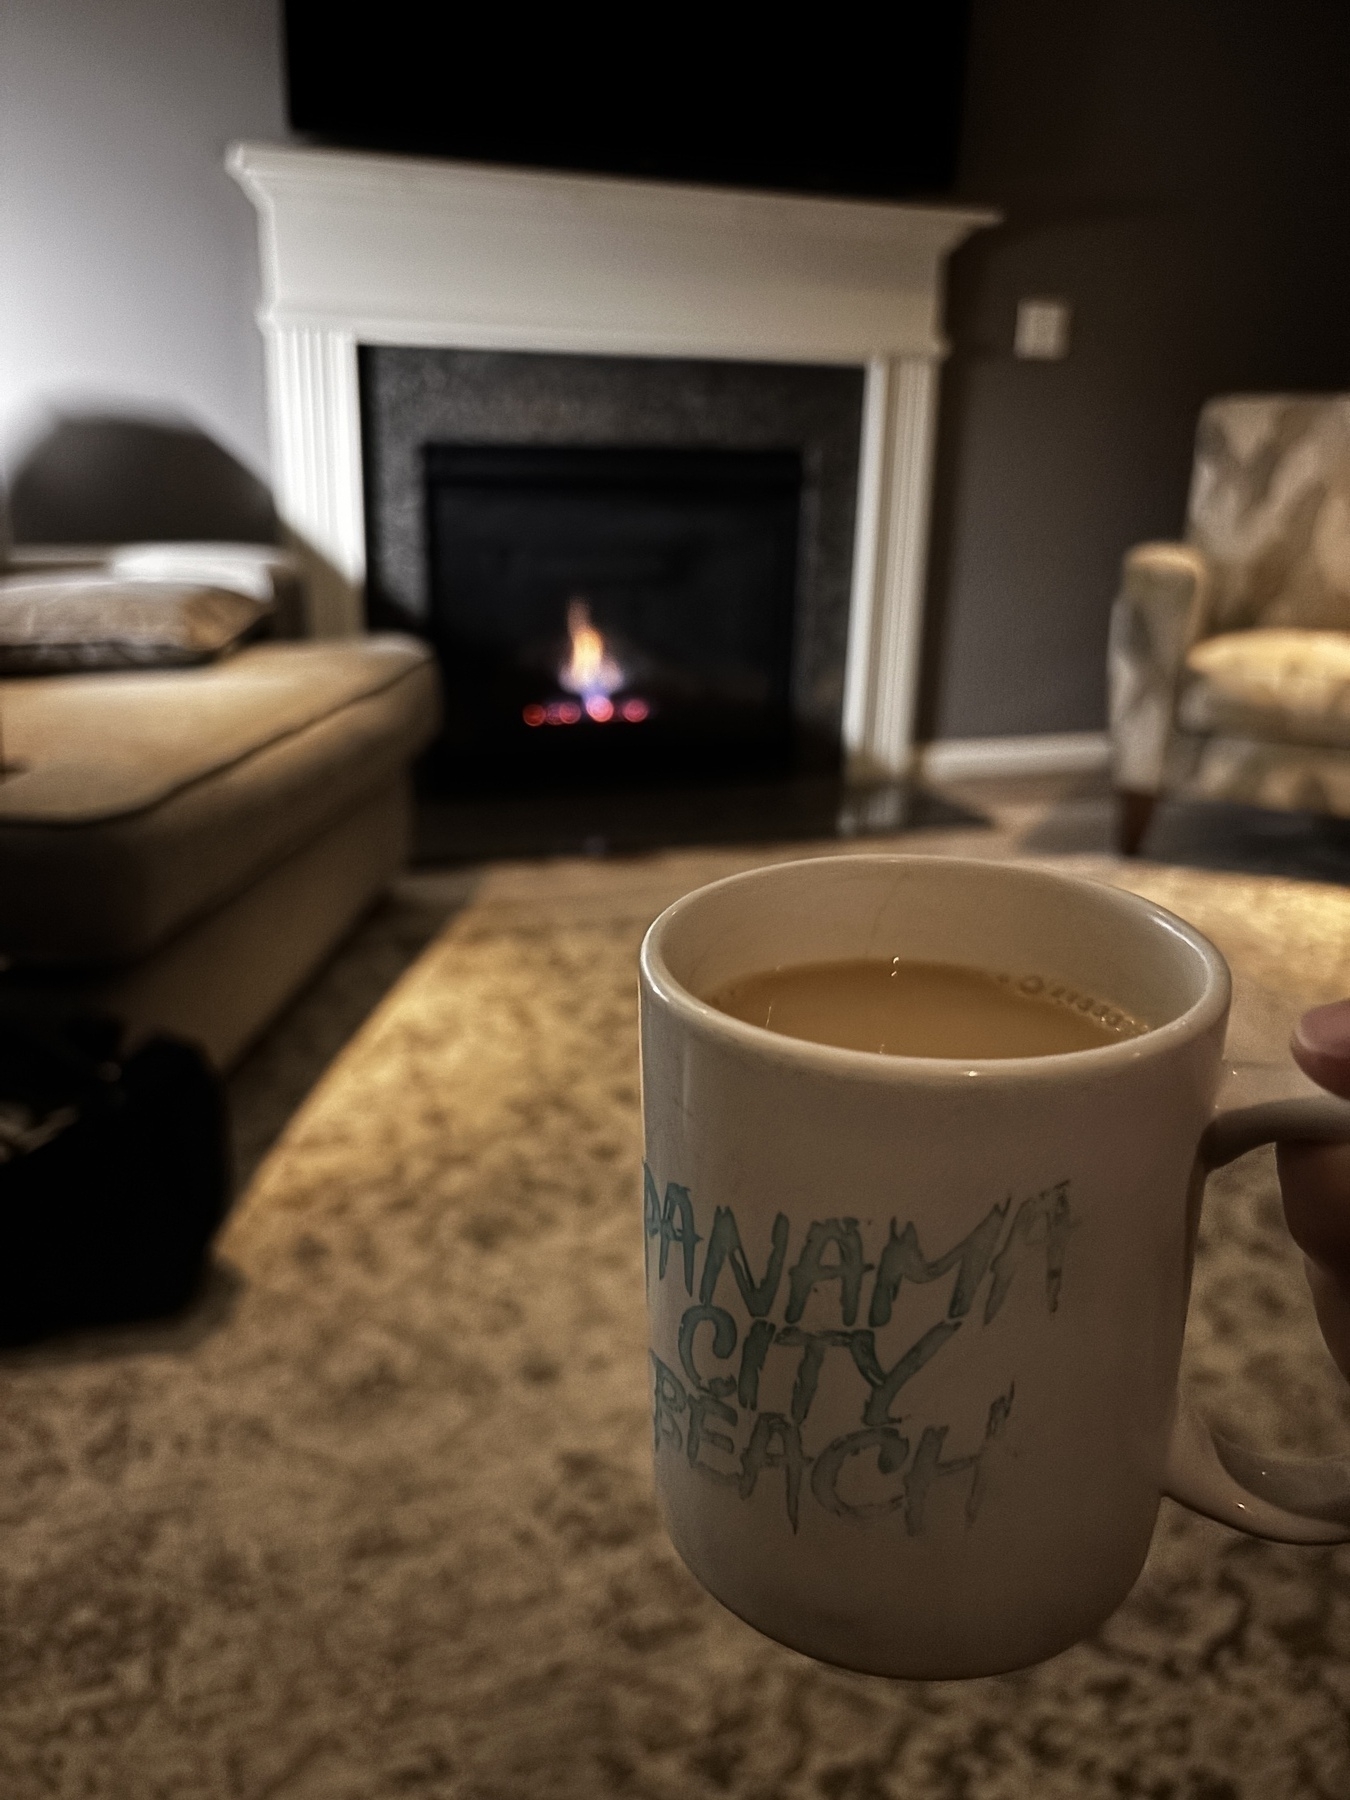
(386, 250)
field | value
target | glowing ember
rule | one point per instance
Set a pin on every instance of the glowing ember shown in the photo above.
(590, 670)
(598, 709)
(593, 674)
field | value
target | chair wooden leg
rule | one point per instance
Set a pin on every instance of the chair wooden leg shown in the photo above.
(1133, 812)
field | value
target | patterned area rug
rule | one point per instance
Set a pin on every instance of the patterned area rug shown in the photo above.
(375, 1521)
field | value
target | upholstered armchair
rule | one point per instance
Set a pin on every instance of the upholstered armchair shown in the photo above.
(1229, 659)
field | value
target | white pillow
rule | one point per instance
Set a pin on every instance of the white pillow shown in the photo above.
(252, 569)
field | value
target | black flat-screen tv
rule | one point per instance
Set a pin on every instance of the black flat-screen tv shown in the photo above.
(847, 101)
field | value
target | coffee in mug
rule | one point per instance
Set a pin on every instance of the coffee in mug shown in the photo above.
(897, 1007)
(916, 1319)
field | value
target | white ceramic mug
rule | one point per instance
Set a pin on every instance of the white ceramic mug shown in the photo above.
(916, 1323)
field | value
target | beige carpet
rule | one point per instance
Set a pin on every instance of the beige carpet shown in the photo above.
(376, 1521)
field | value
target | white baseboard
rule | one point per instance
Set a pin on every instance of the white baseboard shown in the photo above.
(1053, 753)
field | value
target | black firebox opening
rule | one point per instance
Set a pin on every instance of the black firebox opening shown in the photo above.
(612, 617)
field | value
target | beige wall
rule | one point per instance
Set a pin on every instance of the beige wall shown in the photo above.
(130, 269)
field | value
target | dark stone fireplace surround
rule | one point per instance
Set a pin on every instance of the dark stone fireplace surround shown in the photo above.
(414, 396)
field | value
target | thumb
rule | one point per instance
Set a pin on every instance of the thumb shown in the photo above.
(1321, 1046)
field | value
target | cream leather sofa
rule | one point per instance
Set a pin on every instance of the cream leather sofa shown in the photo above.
(184, 846)
(1229, 663)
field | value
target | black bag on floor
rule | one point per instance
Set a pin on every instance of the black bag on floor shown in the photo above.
(114, 1172)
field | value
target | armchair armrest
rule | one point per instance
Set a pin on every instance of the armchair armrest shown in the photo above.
(1160, 611)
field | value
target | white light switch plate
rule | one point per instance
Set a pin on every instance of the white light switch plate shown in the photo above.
(1042, 333)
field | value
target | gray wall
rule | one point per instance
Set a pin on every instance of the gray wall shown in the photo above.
(1181, 173)
(130, 267)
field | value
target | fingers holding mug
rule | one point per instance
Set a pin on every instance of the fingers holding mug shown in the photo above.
(1315, 1179)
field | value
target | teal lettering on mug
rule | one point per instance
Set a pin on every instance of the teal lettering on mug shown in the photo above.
(725, 1249)
(902, 1260)
(911, 1494)
(703, 1407)
(753, 1352)
(668, 1401)
(833, 1251)
(846, 1267)
(929, 1467)
(775, 1443)
(651, 1218)
(892, 1455)
(813, 1345)
(672, 1221)
(887, 1383)
(1044, 1219)
(724, 1342)
(733, 1444)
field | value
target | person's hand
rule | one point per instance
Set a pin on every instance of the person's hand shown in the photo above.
(1315, 1179)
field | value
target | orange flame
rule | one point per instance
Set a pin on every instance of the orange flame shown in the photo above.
(590, 670)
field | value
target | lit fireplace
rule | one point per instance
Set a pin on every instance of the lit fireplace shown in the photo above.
(612, 616)
(593, 675)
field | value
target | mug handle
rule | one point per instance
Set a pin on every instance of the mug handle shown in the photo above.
(1291, 1500)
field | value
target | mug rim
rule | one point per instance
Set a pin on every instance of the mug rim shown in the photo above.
(834, 1059)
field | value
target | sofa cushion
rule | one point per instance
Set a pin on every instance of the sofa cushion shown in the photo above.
(56, 623)
(1287, 685)
(145, 799)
